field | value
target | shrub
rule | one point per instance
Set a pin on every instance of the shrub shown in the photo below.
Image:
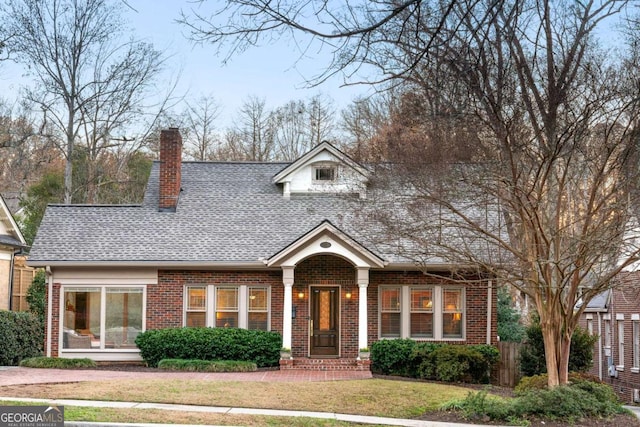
(21, 337)
(57, 363)
(392, 357)
(450, 363)
(540, 382)
(207, 365)
(532, 360)
(566, 403)
(260, 347)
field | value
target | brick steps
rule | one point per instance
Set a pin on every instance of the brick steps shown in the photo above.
(309, 364)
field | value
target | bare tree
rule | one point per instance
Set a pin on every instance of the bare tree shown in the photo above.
(253, 136)
(362, 122)
(199, 128)
(539, 197)
(90, 81)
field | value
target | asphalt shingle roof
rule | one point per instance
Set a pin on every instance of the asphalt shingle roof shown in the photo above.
(227, 212)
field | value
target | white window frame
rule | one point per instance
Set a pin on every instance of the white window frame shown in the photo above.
(635, 362)
(103, 317)
(620, 330)
(188, 309)
(422, 310)
(391, 310)
(324, 166)
(405, 312)
(243, 303)
(266, 309)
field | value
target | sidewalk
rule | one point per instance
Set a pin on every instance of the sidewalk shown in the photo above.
(225, 410)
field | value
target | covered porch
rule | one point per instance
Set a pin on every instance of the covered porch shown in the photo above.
(325, 275)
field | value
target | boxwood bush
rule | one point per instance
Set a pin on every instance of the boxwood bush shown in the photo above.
(21, 334)
(438, 361)
(260, 347)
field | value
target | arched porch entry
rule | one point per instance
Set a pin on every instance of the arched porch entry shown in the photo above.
(323, 315)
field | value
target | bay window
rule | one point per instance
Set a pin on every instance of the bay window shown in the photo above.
(226, 307)
(421, 313)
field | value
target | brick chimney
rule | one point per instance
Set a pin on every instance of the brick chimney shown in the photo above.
(170, 169)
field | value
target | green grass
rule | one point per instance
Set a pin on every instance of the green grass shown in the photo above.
(57, 363)
(207, 365)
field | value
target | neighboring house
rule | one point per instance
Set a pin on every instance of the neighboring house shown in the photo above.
(11, 243)
(614, 316)
(272, 246)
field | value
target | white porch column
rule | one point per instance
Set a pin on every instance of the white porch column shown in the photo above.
(363, 282)
(287, 280)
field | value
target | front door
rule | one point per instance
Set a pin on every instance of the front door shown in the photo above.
(324, 324)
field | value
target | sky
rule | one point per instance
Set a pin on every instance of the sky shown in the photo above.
(270, 72)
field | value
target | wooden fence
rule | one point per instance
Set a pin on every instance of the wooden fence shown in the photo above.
(509, 365)
(22, 278)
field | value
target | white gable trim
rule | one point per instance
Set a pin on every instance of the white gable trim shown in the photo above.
(5, 215)
(325, 239)
(283, 176)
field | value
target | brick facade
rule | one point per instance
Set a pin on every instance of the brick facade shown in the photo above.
(170, 168)
(624, 307)
(165, 300)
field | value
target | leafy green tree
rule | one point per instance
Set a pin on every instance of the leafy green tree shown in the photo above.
(532, 356)
(509, 326)
(36, 295)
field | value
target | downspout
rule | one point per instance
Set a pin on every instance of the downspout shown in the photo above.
(49, 309)
(489, 311)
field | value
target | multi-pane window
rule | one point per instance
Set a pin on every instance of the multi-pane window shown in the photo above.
(390, 302)
(196, 315)
(452, 313)
(636, 344)
(324, 173)
(258, 311)
(421, 323)
(227, 307)
(422, 312)
(99, 317)
(620, 342)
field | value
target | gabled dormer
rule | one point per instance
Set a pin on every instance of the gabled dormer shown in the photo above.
(324, 169)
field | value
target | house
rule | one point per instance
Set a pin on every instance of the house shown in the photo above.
(614, 316)
(11, 243)
(273, 246)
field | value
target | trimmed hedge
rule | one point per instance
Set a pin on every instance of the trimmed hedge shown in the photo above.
(443, 362)
(260, 347)
(21, 334)
(206, 365)
(57, 363)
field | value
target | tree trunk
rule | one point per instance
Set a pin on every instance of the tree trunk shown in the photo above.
(557, 346)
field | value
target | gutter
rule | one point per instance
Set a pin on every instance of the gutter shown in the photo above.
(49, 308)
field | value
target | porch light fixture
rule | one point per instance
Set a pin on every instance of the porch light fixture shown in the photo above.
(300, 294)
(348, 294)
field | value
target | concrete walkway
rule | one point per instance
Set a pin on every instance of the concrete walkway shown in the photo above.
(226, 410)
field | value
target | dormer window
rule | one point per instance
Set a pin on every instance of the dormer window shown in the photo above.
(325, 173)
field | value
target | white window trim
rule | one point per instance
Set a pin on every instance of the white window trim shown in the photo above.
(103, 318)
(621, 343)
(635, 345)
(243, 303)
(405, 312)
(325, 165)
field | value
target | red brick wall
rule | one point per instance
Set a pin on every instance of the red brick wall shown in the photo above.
(55, 324)
(475, 300)
(325, 270)
(170, 168)
(624, 301)
(165, 300)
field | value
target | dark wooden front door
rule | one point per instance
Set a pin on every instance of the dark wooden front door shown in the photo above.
(324, 328)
